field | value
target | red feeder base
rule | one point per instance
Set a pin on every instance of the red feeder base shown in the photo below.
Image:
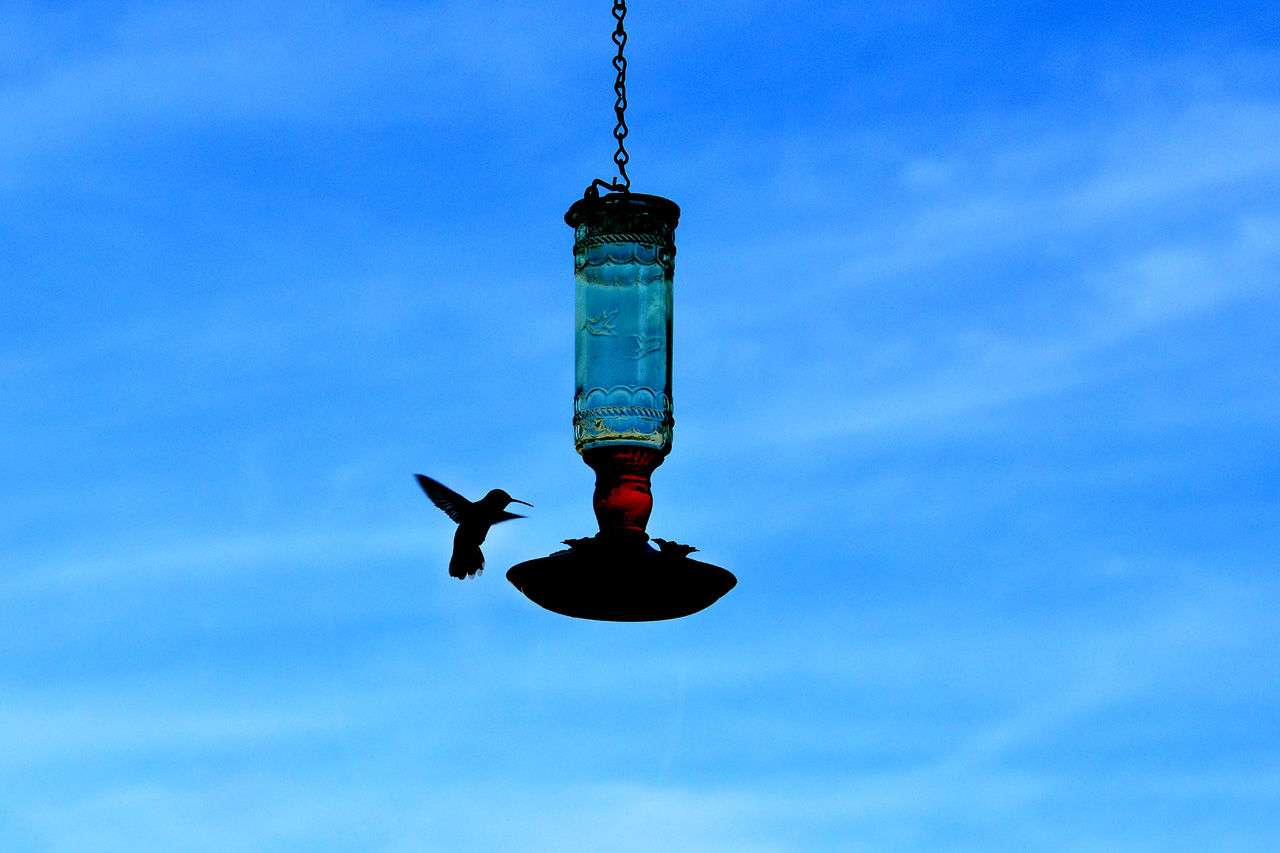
(617, 576)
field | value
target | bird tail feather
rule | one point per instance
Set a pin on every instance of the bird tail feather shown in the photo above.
(466, 563)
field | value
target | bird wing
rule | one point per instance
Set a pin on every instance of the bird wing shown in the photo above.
(444, 497)
(506, 516)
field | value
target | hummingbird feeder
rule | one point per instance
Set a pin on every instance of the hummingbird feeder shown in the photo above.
(624, 262)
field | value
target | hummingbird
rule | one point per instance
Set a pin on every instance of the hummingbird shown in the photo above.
(474, 521)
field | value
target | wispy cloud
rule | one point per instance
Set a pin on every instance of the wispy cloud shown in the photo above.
(996, 700)
(177, 67)
(1137, 220)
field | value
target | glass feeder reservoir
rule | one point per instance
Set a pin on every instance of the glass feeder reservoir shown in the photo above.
(624, 260)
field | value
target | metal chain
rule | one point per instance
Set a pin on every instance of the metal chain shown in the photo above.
(621, 158)
(620, 87)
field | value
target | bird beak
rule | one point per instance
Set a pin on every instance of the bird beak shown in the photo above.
(516, 501)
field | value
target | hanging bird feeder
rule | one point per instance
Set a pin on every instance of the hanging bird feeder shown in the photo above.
(624, 263)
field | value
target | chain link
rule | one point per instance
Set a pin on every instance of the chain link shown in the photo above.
(621, 184)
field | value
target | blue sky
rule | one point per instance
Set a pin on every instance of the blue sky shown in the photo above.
(975, 386)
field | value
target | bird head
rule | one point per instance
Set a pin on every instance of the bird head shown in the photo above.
(501, 499)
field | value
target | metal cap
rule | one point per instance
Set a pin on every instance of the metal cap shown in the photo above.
(592, 210)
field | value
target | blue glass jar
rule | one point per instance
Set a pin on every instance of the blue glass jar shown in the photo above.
(624, 260)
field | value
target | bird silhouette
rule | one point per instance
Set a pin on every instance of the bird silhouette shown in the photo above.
(474, 520)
